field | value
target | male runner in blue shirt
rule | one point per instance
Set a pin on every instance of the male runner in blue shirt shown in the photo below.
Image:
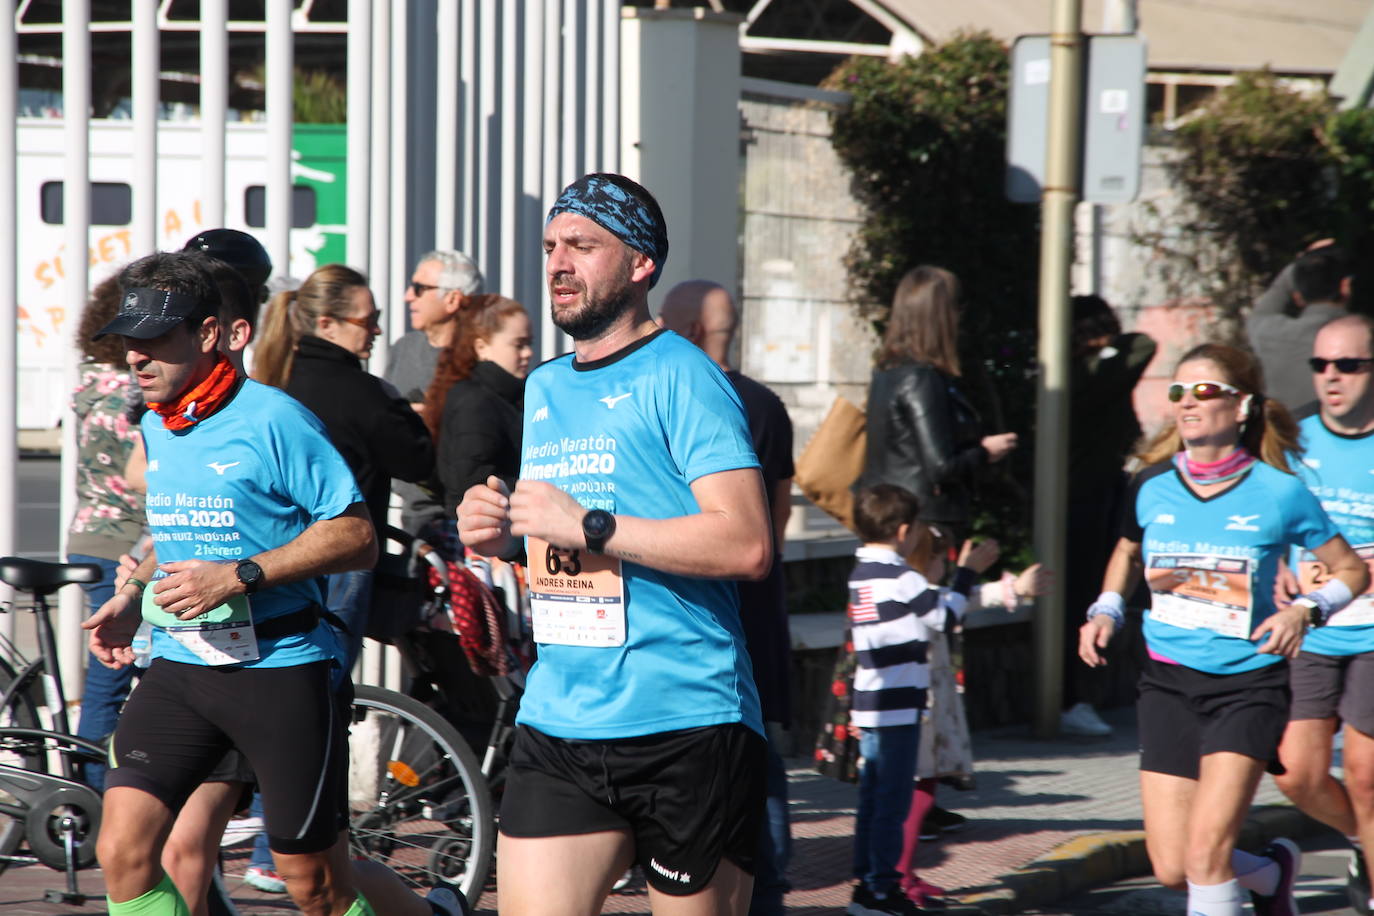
(249, 504)
(1332, 680)
(640, 736)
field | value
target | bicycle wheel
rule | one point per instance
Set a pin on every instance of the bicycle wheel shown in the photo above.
(20, 712)
(418, 802)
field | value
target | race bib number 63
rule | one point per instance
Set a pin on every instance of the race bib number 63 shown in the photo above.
(577, 598)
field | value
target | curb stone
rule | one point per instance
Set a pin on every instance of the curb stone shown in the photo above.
(1102, 858)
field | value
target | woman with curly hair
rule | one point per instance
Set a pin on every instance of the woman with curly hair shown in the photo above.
(109, 512)
(475, 402)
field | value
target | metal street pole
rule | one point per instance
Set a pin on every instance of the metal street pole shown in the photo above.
(1052, 404)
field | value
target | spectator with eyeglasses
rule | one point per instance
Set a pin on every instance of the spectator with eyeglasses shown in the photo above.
(1332, 679)
(313, 342)
(1207, 523)
(441, 285)
(1305, 295)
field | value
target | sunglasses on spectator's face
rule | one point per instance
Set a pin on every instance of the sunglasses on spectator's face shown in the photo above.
(1203, 391)
(1345, 365)
(419, 289)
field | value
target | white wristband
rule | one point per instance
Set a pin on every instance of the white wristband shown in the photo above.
(1110, 604)
(1331, 597)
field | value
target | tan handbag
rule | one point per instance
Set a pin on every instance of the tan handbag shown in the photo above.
(833, 460)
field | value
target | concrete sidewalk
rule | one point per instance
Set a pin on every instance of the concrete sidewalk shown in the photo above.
(1047, 819)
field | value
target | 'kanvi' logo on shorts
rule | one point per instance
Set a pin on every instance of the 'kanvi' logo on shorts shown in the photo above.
(540, 414)
(1242, 523)
(1164, 518)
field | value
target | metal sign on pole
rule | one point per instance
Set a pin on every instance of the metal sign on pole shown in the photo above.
(1112, 118)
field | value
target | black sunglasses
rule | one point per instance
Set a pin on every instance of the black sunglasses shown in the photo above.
(1345, 365)
(419, 289)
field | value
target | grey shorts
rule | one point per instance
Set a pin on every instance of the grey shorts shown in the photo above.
(1334, 686)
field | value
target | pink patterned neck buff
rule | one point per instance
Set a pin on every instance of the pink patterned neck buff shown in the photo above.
(1228, 468)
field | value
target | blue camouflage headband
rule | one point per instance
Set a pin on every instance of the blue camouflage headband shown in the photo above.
(610, 201)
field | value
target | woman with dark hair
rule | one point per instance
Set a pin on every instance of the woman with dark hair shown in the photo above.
(1206, 523)
(923, 434)
(109, 512)
(475, 402)
(312, 345)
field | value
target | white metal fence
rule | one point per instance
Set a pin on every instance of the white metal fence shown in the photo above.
(472, 116)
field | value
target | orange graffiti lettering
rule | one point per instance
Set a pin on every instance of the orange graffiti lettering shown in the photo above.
(171, 224)
(195, 212)
(56, 315)
(42, 274)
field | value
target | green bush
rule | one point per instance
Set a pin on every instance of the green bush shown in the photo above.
(1265, 170)
(925, 139)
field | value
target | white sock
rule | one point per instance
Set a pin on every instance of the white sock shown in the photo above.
(1215, 899)
(1255, 873)
(1354, 842)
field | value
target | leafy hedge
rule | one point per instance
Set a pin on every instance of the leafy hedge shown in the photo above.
(1266, 170)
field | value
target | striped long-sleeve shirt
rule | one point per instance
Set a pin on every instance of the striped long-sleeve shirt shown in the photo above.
(893, 611)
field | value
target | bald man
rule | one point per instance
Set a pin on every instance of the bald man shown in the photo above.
(703, 312)
(1332, 679)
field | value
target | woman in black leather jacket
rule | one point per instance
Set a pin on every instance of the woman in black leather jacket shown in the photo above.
(923, 434)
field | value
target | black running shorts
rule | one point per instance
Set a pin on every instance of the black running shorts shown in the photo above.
(181, 719)
(689, 797)
(1185, 714)
(1334, 686)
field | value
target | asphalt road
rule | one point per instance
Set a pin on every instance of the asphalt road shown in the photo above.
(1321, 889)
(38, 508)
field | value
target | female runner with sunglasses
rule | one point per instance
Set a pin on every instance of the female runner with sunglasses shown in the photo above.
(1207, 521)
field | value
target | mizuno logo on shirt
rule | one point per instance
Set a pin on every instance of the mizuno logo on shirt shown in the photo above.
(540, 414)
(1242, 523)
(221, 468)
(1164, 518)
(611, 400)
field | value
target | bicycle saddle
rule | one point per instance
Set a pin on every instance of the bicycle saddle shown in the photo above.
(43, 578)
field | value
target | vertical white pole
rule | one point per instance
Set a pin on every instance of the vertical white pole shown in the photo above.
(214, 109)
(573, 96)
(469, 56)
(145, 61)
(512, 225)
(528, 286)
(379, 190)
(593, 76)
(398, 198)
(550, 344)
(610, 87)
(359, 136)
(9, 311)
(489, 163)
(280, 114)
(76, 216)
(447, 151)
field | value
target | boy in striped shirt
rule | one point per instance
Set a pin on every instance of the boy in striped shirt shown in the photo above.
(892, 612)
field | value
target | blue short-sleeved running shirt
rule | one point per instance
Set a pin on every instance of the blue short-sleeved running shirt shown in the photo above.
(249, 478)
(629, 434)
(1339, 470)
(1210, 563)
